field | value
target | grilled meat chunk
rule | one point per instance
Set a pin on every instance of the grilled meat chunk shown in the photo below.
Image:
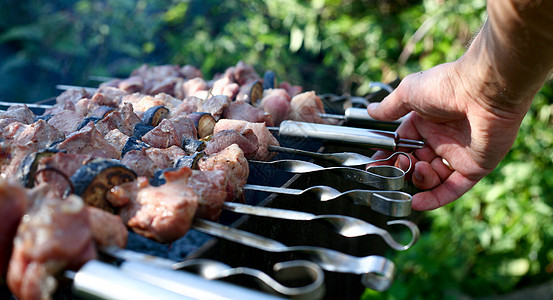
(264, 136)
(247, 141)
(55, 170)
(88, 141)
(54, 236)
(171, 132)
(241, 110)
(306, 107)
(276, 102)
(162, 213)
(37, 135)
(123, 119)
(66, 121)
(13, 203)
(16, 113)
(107, 229)
(232, 162)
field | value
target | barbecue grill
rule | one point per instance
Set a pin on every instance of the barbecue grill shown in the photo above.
(196, 245)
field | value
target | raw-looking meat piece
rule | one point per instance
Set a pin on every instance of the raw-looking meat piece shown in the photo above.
(232, 162)
(163, 213)
(16, 113)
(90, 142)
(131, 85)
(211, 188)
(244, 74)
(189, 72)
(142, 102)
(66, 121)
(53, 236)
(38, 135)
(11, 156)
(140, 163)
(214, 105)
(276, 102)
(247, 141)
(171, 132)
(123, 119)
(307, 107)
(13, 203)
(264, 136)
(241, 110)
(64, 163)
(107, 229)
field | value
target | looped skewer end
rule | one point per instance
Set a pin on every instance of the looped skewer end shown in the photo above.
(415, 233)
(392, 156)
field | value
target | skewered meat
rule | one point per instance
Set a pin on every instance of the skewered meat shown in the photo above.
(232, 162)
(123, 119)
(190, 72)
(107, 229)
(247, 141)
(171, 132)
(66, 121)
(244, 74)
(306, 107)
(192, 87)
(90, 142)
(131, 85)
(11, 156)
(13, 203)
(53, 236)
(276, 102)
(37, 135)
(140, 163)
(143, 102)
(69, 96)
(64, 164)
(214, 105)
(16, 113)
(162, 213)
(264, 136)
(241, 110)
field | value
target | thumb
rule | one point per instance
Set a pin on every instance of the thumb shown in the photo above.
(390, 109)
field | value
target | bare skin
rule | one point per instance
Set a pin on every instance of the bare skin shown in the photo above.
(469, 111)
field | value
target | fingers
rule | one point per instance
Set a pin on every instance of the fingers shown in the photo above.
(391, 108)
(452, 188)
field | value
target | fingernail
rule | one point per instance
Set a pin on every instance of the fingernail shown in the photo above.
(418, 176)
(373, 105)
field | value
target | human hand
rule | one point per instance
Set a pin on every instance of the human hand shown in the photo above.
(460, 120)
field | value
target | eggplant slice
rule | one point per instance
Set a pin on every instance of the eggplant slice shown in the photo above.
(133, 144)
(190, 161)
(204, 123)
(154, 115)
(94, 179)
(27, 170)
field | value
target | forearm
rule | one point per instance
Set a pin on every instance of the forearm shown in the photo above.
(513, 53)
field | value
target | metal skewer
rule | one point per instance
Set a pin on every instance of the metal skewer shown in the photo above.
(380, 177)
(361, 137)
(31, 105)
(213, 270)
(390, 203)
(355, 116)
(346, 159)
(343, 225)
(378, 271)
